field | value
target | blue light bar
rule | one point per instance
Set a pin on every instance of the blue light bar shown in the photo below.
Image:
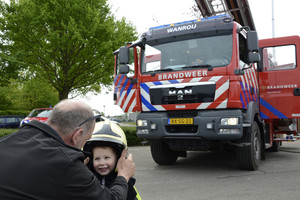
(195, 20)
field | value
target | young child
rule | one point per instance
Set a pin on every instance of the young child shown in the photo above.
(106, 145)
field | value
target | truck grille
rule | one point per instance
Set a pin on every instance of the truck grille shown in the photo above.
(186, 113)
(181, 129)
(182, 93)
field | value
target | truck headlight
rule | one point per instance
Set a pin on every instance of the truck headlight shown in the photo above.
(141, 122)
(230, 121)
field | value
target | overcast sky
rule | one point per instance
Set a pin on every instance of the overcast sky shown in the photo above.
(144, 14)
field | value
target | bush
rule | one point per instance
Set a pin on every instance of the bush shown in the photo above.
(132, 139)
(15, 112)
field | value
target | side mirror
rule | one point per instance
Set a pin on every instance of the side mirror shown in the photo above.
(124, 55)
(124, 69)
(252, 45)
(252, 41)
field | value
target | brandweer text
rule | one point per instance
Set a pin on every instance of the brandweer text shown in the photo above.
(182, 75)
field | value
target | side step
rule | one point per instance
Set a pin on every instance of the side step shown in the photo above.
(290, 136)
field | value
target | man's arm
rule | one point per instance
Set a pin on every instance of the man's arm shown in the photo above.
(78, 182)
(118, 188)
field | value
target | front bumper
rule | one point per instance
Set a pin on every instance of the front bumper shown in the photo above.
(206, 125)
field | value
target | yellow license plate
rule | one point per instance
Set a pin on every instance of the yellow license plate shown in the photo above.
(181, 121)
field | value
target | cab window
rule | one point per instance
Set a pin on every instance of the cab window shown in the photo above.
(279, 58)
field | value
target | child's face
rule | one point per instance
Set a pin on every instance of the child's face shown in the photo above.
(104, 160)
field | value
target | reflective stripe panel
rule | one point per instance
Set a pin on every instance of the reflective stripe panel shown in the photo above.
(220, 101)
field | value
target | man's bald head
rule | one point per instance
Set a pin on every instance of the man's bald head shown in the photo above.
(68, 114)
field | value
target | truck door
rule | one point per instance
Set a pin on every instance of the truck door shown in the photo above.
(279, 81)
(125, 85)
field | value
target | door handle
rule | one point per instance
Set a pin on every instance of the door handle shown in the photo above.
(296, 91)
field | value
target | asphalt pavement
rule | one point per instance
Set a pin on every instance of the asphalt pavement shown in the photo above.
(216, 176)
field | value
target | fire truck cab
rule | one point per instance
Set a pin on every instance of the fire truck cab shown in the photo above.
(203, 84)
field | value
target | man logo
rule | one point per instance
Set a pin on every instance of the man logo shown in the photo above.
(180, 92)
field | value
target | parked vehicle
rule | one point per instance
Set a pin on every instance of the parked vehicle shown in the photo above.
(102, 118)
(10, 121)
(40, 114)
(202, 84)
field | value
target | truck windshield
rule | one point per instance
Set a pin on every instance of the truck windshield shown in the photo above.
(206, 52)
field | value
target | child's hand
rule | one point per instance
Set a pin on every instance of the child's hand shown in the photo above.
(126, 167)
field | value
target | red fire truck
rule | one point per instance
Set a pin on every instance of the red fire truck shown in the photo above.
(204, 84)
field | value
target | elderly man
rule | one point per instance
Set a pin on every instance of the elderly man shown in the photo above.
(44, 160)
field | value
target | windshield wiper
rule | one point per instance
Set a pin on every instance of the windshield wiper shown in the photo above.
(153, 72)
(209, 67)
(161, 70)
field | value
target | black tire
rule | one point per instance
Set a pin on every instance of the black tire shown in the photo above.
(249, 156)
(162, 154)
(275, 147)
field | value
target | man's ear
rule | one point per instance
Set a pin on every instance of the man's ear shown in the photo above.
(76, 137)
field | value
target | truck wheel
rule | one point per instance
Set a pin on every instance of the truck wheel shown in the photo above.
(275, 146)
(162, 154)
(249, 156)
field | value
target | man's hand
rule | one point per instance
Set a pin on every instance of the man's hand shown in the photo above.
(126, 167)
(86, 161)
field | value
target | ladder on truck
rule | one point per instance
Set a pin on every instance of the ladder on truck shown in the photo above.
(239, 10)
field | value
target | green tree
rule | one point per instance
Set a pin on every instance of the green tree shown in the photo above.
(5, 102)
(69, 43)
(30, 94)
(9, 65)
(8, 69)
(38, 94)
